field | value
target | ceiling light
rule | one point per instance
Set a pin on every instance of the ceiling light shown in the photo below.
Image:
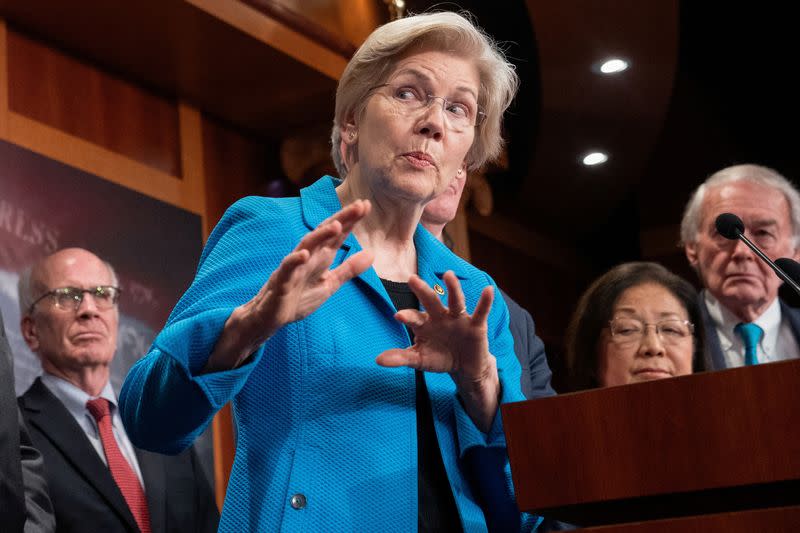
(595, 158)
(613, 66)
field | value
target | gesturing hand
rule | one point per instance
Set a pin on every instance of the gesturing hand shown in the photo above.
(303, 280)
(301, 283)
(448, 339)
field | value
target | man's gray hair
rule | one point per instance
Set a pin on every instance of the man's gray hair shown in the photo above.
(29, 289)
(692, 215)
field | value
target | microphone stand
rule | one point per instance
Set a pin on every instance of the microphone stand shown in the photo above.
(781, 274)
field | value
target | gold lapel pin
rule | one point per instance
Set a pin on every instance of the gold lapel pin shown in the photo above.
(438, 289)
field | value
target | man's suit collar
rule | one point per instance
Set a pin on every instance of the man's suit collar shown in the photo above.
(793, 315)
(715, 359)
(51, 418)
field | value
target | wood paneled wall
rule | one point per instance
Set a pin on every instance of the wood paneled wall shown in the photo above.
(78, 114)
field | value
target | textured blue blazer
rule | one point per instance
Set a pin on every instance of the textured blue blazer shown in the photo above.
(326, 438)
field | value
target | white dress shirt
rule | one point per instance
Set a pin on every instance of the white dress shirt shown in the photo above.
(74, 399)
(777, 344)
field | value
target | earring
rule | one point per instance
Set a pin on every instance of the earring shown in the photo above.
(352, 135)
(460, 170)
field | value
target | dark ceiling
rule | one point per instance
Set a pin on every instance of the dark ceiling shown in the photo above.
(711, 86)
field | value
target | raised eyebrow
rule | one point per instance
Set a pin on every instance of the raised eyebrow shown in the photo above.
(424, 78)
(468, 90)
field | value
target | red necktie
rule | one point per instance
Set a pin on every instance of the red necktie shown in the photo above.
(121, 470)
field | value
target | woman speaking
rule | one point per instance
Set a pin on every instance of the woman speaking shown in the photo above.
(365, 362)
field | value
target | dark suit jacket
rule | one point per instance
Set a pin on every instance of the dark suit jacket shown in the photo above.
(529, 348)
(24, 503)
(84, 493)
(715, 359)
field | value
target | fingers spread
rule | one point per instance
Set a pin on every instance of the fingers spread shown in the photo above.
(323, 235)
(455, 296)
(345, 220)
(351, 268)
(481, 312)
(398, 357)
(426, 296)
(283, 274)
(411, 317)
(350, 214)
(353, 213)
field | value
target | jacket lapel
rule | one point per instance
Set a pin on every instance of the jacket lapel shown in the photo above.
(50, 416)
(433, 260)
(715, 359)
(794, 319)
(319, 201)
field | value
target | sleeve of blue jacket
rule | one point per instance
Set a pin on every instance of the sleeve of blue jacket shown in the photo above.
(166, 402)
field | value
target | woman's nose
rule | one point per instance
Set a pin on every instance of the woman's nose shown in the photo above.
(431, 122)
(651, 344)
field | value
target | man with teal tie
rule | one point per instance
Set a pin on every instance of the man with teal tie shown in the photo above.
(746, 322)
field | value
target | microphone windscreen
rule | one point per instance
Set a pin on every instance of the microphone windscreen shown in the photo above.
(786, 292)
(729, 226)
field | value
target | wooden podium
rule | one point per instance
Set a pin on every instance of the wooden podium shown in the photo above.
(700, 451)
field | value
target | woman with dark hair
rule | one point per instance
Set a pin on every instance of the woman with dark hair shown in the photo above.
(636, 322)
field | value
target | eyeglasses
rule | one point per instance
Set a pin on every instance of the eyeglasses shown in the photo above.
(70, 298)
(459, 115)
(632, 330)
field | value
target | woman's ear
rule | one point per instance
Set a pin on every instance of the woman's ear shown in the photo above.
(347, 146)
(349, 133)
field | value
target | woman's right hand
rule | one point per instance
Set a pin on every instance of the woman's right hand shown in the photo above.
(300, 284)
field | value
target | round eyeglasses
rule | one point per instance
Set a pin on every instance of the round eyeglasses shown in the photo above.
(70, 298)
(460, 115)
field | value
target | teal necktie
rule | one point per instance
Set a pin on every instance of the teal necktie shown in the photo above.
(751, 335)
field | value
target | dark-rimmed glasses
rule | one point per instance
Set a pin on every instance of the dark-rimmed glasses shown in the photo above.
(70, 298)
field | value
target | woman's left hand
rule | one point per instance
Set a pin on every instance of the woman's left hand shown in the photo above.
(448, 339)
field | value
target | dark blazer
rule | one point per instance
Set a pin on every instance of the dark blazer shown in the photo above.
(24, 503)
(84, 493)
(529, 348)
(715, 359)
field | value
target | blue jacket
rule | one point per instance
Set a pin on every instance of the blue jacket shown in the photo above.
(326, 438)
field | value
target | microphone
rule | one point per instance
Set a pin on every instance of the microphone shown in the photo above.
(731, 227)
(785, 292)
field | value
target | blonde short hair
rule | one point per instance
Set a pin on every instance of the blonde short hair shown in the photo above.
(449, 32)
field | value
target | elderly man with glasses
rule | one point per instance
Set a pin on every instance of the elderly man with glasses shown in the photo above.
(98, 481)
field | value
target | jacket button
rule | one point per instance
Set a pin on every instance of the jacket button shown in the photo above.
(298, 501)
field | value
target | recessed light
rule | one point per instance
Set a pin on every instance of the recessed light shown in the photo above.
(595, 158)
(613, 66)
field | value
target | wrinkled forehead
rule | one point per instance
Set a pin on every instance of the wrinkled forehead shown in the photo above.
(432, 64)
(746, 199)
